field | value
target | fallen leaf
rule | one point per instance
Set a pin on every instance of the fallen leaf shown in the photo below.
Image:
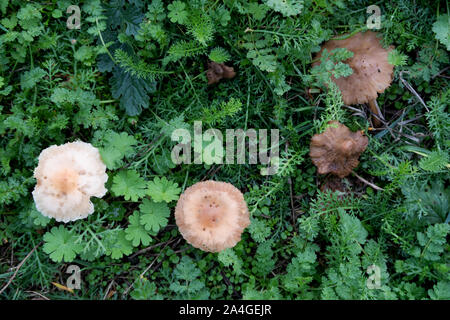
(61, 287)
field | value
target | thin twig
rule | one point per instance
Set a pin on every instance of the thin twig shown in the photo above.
(38, 294)
(150, 147)
(411, 89)
(356, 112)
(145, 271)
(151, 247)
(212, 172)
(19, 266)
(108, 288)
(367, 182)
(440, 72)
(229, 283)
(291, 193)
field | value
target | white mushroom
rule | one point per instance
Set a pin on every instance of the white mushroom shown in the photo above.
(67, 176)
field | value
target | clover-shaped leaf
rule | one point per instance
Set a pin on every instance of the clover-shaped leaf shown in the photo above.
(154, 215)
(177, 12)
(129, 184)
(60, 244)
(163, 190)
(135, 232)
(118, 245)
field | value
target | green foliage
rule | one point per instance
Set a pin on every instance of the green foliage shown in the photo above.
(333, 110)
(200, 26)
(161, 189)
(154, 215)
(438, 118)
(440, 291)
(441, 28)
(186, 284)
(260, 55)
(435, 161)
(219, 55)
(183, 49)
(116, 147)
(432, 243)
(129, 184)
(396, 58)
(29, 79)
(118, 245)
(13, 188)
(129, 16)
(229, 258)
(177, 12)
(428, 257)
(38, 219)
(286, 7)
(264, 262)
(60, 244)
(136, 71)
(145, 290)
(217, 113)
(331, 65)
(430, 203)
(301, 269)
(429, 63)
(136, 232)
(132, 91)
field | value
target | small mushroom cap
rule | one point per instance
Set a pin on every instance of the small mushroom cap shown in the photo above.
(217, 71)
(372, 73)
(212, 215)
(67, 176)
(337, 149)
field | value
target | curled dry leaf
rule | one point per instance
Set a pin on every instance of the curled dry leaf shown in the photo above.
(337, 149)
(212, 215)
(217, 71)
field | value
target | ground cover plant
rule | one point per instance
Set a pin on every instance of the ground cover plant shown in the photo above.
(135, 71)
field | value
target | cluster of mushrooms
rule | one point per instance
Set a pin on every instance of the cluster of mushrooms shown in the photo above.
(337, 149)
(212, 215)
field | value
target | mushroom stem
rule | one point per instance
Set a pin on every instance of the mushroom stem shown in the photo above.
(376, 113)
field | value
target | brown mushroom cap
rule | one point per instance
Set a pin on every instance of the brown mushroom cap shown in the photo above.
(372, 73)
(67, 176)
(337, 149)
(212, 215)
